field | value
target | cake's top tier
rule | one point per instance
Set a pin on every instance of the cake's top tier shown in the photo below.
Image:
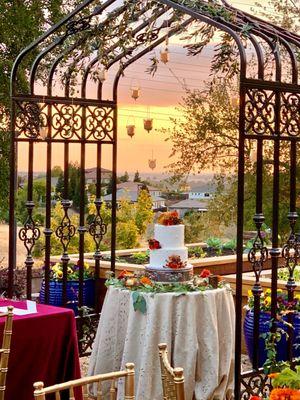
(169, 236)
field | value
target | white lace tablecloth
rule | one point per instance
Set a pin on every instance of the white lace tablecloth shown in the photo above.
(198, 328)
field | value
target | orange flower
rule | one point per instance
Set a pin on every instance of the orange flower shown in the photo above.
(284, 394)
(145, 281)
(124, 273)
(273, 375)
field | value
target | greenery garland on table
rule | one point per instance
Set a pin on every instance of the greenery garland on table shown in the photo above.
(140, 283)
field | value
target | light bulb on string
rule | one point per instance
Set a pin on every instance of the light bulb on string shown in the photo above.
(130, 126)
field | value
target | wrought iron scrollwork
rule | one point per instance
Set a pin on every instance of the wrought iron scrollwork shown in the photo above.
(67, 121)
(98, 228)
(291, 250)
(30, 118)
(255, 384)
(99, 123)
(258, 254)
(65, 231)
(290, 118)
(260, 112)
(30, 232)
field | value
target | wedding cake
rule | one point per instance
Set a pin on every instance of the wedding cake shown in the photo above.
(168, 254)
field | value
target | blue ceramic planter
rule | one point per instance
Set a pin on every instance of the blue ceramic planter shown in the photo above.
(264, 327)
(55, 294)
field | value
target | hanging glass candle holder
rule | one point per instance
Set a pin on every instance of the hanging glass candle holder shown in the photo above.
(102, 74)
(148, 124)
(130, 127)
(164, 54)
(43, 132)
(135, 89)
(152, 163)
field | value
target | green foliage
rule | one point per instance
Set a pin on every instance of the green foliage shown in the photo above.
(229, 245)
(144, 214)
(125, 177)
(137, 177)
(214, 243)
(288, 378)
(56, 171)
(206, 135)
(38, 196)
(271, 340)
(194, 227)
(127, 235)
(196, 252)
(140, 258)
(139, 302)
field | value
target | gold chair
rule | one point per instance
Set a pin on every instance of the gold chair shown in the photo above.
(5, 350)
(41, 392)
(172, 378)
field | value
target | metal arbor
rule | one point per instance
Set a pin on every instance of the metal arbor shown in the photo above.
(115, 34)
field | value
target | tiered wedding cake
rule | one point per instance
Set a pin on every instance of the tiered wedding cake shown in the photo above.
(168, 254)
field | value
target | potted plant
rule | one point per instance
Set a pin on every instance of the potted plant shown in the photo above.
(284, 307)
(286, 384)
(56, 284)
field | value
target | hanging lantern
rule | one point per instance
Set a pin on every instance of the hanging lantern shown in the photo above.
(164, 54)
(43, 132)
(148, 124)
(135, 93)
(130, 126)
(135, 89)
(102, 75)
(130, 130)
(152, 163)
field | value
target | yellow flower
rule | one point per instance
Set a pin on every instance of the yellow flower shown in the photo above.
(267, 301)
(268, 291)
(297, 296)
(70, 271)
(59, 274)
(250, 294)
(279, 290)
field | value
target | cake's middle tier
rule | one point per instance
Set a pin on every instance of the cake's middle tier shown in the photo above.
(159, 258)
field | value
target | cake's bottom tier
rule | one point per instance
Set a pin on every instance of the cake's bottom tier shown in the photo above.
(168, 275)
(159, 257)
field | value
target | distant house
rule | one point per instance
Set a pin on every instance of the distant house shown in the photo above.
(201, 192)
(188, 205)
(130, 191)
(91, 175)
(136, 186)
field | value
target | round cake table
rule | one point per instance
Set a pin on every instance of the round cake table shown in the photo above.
(198, 328)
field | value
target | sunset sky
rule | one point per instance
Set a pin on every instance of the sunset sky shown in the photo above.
(159, 98)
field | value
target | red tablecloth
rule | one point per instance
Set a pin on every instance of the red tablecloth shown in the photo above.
(43, 348)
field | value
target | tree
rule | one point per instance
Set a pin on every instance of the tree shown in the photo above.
(206, 135)
(59, 189)
(56, 171)
(137, 177)
(38, 195)
(144, 212)
(20, 23)
(125, 177)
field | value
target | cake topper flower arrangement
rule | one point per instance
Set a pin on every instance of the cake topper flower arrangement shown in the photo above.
(169, 219)
(154, 244)
(175, 262)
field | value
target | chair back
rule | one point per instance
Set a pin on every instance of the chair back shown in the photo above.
(172, 378)
(41, 392)
(5, 349)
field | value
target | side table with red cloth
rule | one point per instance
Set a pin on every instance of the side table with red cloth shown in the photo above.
(43, 348)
